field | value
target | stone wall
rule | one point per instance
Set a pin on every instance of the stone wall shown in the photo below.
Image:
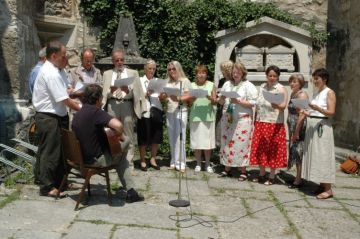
(307, 11)
(24, 27)
(343, 63)
(19, 43)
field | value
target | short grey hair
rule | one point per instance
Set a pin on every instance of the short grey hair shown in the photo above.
(149, 62)
(42, 52)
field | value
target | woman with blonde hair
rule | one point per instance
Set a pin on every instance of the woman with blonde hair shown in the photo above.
(225, 68)
(236, 123)
(176, 115)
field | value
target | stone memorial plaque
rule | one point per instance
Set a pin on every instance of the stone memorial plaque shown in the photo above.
(281, 56)
(251, 57)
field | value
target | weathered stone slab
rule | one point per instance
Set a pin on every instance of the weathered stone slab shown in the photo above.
(251, 56)
(280, 56)
(194, 229)
(45, 215)
(141, 233)
(88, 230)
(218, 206)
(140, 213)
(228, 183)
(19, 233)
(320, 223)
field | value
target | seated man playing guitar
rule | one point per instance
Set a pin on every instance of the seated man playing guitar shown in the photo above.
(88, 124)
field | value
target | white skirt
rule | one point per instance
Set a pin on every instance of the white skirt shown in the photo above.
(202, 135)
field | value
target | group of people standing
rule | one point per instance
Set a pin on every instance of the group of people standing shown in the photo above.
(248, 129)
(259, 138)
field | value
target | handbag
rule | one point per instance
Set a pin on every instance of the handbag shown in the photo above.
(156, 115)
(350, 165)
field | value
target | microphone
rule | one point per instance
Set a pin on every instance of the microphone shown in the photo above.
(179, 202)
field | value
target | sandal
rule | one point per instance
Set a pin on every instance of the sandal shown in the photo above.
(318, 190)
(243, 177)
(224, 174)
(325, 195)
(269, 182)
(259, 179)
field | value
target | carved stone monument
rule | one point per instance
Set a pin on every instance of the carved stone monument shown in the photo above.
(125, 39)
(251, 56)
(281, 56)
(58, 8)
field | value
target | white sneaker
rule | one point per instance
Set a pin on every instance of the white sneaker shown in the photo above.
(197, 169)
(180, 167)
(209, 169)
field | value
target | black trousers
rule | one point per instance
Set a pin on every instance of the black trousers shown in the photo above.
(50, 166)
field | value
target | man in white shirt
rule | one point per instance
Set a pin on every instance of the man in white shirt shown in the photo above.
(125, 103)
(50, 99)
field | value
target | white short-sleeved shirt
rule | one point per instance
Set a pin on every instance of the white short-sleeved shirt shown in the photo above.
(246, 90)
(50, 90)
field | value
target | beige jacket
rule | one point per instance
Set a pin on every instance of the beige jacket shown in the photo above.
(136, 93)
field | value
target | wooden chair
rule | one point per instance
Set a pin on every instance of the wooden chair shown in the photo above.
(74, 159)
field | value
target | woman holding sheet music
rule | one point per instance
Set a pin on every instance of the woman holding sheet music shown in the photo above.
(297, 125)
(319, 158)
(176, 115)
(202, 118)
(149, 131)
(236, 123)
(268, 148)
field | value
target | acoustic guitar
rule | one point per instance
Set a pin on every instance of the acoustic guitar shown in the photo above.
(113, 139)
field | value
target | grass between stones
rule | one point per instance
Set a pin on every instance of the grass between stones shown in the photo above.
(247, 207)
(10, 198)
(352, 215)
(283, 211)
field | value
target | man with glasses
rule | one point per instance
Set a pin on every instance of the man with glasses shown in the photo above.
(127, 103)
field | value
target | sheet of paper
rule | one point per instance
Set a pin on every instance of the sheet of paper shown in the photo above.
(301, 103)
(157, 85)
(172, 91)
(230, 94)
(275, 98)
(80, 86)
(198, 93)
(124, 82)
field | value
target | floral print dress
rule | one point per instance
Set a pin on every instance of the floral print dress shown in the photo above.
(236, 127)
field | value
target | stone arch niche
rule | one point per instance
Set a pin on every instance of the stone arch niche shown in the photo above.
(265, 42)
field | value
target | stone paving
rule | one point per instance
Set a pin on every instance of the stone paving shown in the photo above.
(220, 208)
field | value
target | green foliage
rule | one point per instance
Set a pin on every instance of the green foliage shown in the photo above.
(179, 29)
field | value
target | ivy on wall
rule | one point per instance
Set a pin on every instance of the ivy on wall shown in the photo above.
(180, 29)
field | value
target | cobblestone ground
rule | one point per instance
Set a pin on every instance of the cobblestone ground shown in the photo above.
(220, 208)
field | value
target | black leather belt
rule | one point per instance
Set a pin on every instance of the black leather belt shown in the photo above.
(125, 100)
(318, 117)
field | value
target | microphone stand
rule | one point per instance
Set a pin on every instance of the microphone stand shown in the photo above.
(180, 202)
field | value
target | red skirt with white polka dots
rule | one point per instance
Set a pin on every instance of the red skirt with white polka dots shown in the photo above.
(268, 147)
